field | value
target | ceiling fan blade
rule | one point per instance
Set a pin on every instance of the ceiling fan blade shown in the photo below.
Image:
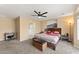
(34, 15)
(36, 12)
(44, 13)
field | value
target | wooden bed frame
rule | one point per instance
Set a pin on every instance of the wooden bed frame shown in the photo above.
(53, 29)
(51, 45)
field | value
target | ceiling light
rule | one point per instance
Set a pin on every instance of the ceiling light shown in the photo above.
(40, 17)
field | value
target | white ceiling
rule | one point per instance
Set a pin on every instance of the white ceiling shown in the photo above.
(26, 10)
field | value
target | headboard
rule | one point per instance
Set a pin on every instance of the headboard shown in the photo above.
(54, 29)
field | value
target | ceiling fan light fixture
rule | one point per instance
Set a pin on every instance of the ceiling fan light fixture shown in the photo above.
(40, 17)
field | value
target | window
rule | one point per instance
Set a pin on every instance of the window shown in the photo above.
(78, 28)
(31, 29)
(52, 24)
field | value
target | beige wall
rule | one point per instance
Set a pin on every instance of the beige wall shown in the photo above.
(20, 26)
(17, 27)
(24, 25)
(43, 25)
(76, 41)
(6, 25)
(63, 23)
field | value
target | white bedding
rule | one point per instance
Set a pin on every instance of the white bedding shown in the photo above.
(48, 38)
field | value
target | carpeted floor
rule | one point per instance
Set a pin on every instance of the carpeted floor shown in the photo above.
(25, 47)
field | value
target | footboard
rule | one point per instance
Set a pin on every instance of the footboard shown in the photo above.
(51, 45)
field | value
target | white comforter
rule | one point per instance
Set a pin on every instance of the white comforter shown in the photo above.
(48, 38)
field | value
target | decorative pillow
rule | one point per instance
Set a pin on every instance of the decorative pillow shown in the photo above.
(48, 32)
(52, 33)
(56, 32)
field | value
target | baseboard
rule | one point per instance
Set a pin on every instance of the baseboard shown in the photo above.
(22, 40)
(1, 39)
(76, 46)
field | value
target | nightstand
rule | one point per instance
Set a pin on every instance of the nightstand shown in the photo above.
(64, 37)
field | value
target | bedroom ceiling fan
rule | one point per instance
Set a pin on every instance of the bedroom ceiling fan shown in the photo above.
(39, 14)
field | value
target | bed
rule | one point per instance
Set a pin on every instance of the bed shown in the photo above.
(50, 37)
